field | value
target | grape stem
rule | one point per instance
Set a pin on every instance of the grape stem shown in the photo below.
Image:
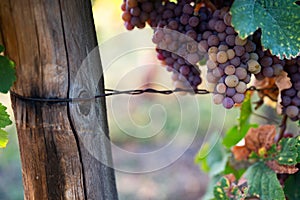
(282, 127)
(210, 5)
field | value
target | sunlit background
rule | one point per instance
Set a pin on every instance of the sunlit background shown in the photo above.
(142, 123)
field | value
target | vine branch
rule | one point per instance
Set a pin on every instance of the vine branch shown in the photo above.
(282, 127)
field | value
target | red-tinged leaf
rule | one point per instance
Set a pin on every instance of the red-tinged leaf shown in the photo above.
(281, 169)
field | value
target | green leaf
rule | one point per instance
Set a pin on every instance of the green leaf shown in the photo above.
(246, 111)
(3, 138)
(225, 190)
(279, 21)
(200, 158)
(238, 173)
(263, 182)
(7, 74)
(219, 190)
(234, 135)
(2, 48)
(288, 153)
(291, 187)
(298, 149)
(215, 158)
(4, 117)
(209, 194)
(212, 157)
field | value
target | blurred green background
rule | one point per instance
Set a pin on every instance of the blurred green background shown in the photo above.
(181, 180)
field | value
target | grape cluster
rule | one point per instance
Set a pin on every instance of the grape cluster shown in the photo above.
(177, 42)
(271, 65)
(290, 98)
(231, 60)
(186, 33)
(136, 13)
(175, 34)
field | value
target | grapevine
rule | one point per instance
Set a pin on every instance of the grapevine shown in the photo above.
(213, 36)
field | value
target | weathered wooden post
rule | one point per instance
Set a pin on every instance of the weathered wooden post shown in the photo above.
(49, 40)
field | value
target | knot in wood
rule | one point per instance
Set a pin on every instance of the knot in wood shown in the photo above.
(84, 106)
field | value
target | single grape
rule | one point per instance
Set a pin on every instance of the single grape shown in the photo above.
(213, 40)
(228, 102)
(194, 21)
(221, 88)
(231, 81)
(229, 70)
(222, 57)
(239, 50)
(253, 66)
(238, 98)
(239, 41)
(218, 98)
(241, 73)
(292, 111)
(241, 87)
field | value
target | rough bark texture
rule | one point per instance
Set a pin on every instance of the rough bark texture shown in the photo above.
(49, 40)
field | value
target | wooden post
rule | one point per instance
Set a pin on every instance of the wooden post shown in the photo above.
(49, 40)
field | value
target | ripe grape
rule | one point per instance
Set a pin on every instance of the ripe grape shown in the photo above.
(290, 98)
(228, 102)
(238, 97)
(218, 98)
(181, 33)
(253, 66)
(231, 59)
(222, 57)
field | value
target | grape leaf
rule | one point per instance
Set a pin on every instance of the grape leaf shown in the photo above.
(291, 187)
(298, 149)
(230, 169)
(279, 21)
(246, 110)
(233, 135)
(7, 74)
(2, 48)
(263, 182)
(236, 133)
(213, 157)
(219, 190)
(3, 138)
(281, 169)
(4, 121)
(227, 188)
(288, 153)
(4, 117)
(200, 158)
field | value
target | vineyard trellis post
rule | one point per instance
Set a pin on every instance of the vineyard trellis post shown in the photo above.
(48, 41)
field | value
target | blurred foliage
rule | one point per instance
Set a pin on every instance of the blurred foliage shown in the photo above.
(11, 187)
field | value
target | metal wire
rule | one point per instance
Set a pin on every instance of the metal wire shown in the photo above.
(111, 92)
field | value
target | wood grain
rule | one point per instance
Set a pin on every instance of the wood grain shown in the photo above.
(49, 40)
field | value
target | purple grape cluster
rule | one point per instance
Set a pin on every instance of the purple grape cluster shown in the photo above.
(185, 35)
(290, 98)
(136, 13)
(177, 40)
(271, 65)
(185, 75)
(176, 32)
(231, 60)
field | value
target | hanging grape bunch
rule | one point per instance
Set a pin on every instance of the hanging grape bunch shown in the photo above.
(187, 32)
